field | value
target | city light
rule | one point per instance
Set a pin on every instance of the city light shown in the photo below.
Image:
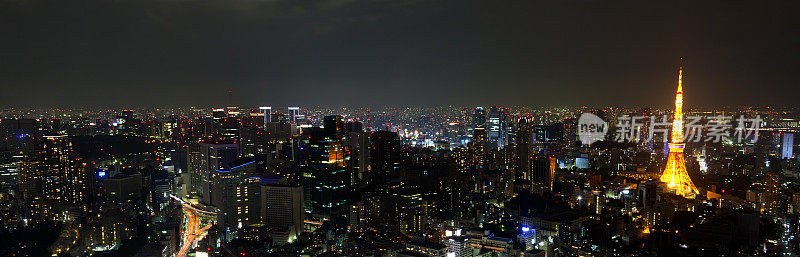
(675, 174)
(399, 128)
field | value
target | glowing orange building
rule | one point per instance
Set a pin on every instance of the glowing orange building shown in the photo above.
(675, 175)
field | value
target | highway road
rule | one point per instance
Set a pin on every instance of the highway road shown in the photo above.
(193, 233)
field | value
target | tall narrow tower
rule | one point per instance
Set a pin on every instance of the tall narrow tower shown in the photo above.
(675, 175)
(267, 111)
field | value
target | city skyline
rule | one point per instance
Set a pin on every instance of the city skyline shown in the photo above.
(414, 128)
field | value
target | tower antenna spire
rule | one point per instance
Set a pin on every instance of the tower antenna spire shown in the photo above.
(680, 78)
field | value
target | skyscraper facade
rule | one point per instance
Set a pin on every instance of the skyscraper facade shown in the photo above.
(498, 127)
(282, 210)
(234, 191)
(787, 146)
(524, 146)
(479, 118)
(478, 147)
(214, 157)
(385, 146)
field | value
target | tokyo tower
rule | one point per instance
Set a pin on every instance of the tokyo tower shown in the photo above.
(675, 175)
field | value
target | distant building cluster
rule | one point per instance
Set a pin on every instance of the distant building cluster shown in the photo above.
(426, 181)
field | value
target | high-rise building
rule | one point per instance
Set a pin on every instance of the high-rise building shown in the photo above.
(124, 188)
(54, 165)
(524, 146)
(28, 179)
(266, 112)
(334, 126)
(675, 174)
(234, 191)
(160, 188)
(193, 166)
(478, 147)
(570, 131)
(214, 157)
(498, 127)
(282, 210)
(356, 216)
(787, 146)
(229, 129)
(479, 118)
(543, 171)
(775, 203)
(493, 127)
(294, 112)
(384, 155)
(325, 167)
(357, 143)
(252, 137)
(77, 178)
(54, 173)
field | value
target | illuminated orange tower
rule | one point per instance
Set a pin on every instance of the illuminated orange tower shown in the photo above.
(675, 175)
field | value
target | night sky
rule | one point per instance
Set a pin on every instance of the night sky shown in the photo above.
(138, 53)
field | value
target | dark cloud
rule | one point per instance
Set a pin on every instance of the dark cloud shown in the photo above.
(279, 52)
